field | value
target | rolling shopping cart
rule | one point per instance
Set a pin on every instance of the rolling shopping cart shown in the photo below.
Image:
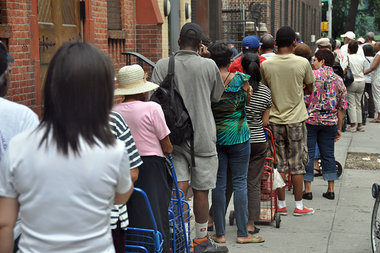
(144, 240)
(179, 218)
(268, 205)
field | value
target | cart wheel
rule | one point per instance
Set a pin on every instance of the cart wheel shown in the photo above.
(232, 217)
(278, 220)
(339, 169)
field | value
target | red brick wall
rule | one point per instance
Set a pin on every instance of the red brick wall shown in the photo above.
(149, 42)
(145, 39)
(22, 85)
(111, 46)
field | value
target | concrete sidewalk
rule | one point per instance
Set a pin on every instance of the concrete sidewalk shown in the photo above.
(340, 225)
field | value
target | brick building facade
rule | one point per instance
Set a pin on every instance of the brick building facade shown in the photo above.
(34, 29)
(303, 16)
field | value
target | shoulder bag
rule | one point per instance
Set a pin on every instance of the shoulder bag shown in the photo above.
(349, 76)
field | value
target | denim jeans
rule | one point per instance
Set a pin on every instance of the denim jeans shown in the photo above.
(324, 136)
(237, 157)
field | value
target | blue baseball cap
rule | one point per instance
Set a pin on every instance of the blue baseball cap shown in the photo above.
(251, 42)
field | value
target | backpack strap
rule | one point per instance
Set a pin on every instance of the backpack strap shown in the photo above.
(171, 73)
(171, 65)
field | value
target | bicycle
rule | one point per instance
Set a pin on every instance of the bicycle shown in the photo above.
(375, 221)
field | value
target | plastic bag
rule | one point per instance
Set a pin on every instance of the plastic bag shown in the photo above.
(278, 182)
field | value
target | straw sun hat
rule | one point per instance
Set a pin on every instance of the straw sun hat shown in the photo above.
(132, 80)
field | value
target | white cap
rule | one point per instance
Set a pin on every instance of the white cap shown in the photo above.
(349, 35)
(361, 40)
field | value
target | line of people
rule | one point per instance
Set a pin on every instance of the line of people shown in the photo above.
(64, 175)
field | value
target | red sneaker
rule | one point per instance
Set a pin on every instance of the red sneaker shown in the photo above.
(304, 211)
(282, 211)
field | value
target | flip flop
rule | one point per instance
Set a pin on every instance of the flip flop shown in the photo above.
(254, 231)
(375, 121)
(216, 240)
(255, 239)
(317, 172)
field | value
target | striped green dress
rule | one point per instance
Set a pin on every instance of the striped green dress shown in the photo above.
(229, 113)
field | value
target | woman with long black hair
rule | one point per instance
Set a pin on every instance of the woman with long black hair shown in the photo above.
(257, 116)
(65, 176)
(232, 145)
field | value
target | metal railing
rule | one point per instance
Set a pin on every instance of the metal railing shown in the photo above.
(140, 59)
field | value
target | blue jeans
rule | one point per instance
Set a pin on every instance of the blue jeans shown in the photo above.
(237, 158)
(324, 136)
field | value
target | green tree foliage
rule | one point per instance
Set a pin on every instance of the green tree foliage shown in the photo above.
(339, 15)
(376, 13)
(367, 19)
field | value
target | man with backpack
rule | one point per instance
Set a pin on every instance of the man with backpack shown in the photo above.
(199, 83)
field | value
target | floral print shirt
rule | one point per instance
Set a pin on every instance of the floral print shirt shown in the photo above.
(329, 95)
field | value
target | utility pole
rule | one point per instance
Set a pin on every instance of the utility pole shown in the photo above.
(174, 23)
(329, 12)
(329, 16)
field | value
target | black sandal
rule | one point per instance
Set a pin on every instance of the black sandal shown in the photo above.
(317, 172)
(255, 231)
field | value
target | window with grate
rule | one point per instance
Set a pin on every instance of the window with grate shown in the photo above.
(193, 11)
(299, 16)
(314, 21)
(281, 14)
(114, 14)
(5, 29)
(291, 14)
(286, 15)
(303, 28)
(272, 16)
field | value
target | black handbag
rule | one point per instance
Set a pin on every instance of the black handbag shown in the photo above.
(349, 76)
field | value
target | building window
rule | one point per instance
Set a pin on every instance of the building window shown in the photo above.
(286, 15)
(272, 15)
(303, 28)
(291, 14)
(114, 14)
(280, 13)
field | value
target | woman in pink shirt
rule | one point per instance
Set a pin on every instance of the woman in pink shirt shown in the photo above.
(149, 130)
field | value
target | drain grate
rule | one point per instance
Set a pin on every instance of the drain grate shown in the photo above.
(363, 161)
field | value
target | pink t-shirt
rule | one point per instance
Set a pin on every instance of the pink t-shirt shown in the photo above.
(147, 124)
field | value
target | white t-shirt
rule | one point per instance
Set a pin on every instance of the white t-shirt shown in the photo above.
(375, 74)
(14, 119)
(344, 53)
(356, 65)
(367, 64)
(65, 201)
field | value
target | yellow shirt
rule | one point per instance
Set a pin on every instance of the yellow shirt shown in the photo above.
(285, 76)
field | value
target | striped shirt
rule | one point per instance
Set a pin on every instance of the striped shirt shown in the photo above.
(120, 129)
(261, 100)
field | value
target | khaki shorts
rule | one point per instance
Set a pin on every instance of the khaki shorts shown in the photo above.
(203, 176)
(291, 147)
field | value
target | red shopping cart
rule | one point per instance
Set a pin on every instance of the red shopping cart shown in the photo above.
(268, 206)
